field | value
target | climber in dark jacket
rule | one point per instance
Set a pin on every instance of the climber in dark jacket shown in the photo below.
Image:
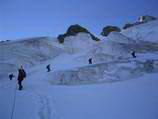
(21, 76)
(90, 60)
(48, 68)
(11, 76)
(133, 54)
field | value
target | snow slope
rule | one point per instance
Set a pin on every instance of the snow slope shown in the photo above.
(27, 52)
(115, 86)
(146, 32)
(40, 99)
(133, 99)
(82, 42)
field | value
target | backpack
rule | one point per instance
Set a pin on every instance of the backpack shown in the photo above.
(24, 73)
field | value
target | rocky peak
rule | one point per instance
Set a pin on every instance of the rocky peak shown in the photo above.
(108, 29)
(74, 30)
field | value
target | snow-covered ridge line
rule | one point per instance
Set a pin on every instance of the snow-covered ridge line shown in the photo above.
(146, 32)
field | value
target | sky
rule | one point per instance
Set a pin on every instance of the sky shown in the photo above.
(34, 18)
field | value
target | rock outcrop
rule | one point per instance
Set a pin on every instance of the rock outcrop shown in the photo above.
(108, 29)
(146, 18)
(141, 20)
(74, 30)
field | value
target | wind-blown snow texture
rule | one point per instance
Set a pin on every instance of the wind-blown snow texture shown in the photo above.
(115, 86)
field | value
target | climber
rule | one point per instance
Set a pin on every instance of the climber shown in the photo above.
(90, 60)
(21, 76)
(133, 54)
(48, 68)
(11, 76)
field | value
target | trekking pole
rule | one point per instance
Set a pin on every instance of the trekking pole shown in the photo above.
(14, 100)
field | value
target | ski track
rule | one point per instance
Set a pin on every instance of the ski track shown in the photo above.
(46, 109)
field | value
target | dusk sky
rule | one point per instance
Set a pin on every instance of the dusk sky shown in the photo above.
(31, 18)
